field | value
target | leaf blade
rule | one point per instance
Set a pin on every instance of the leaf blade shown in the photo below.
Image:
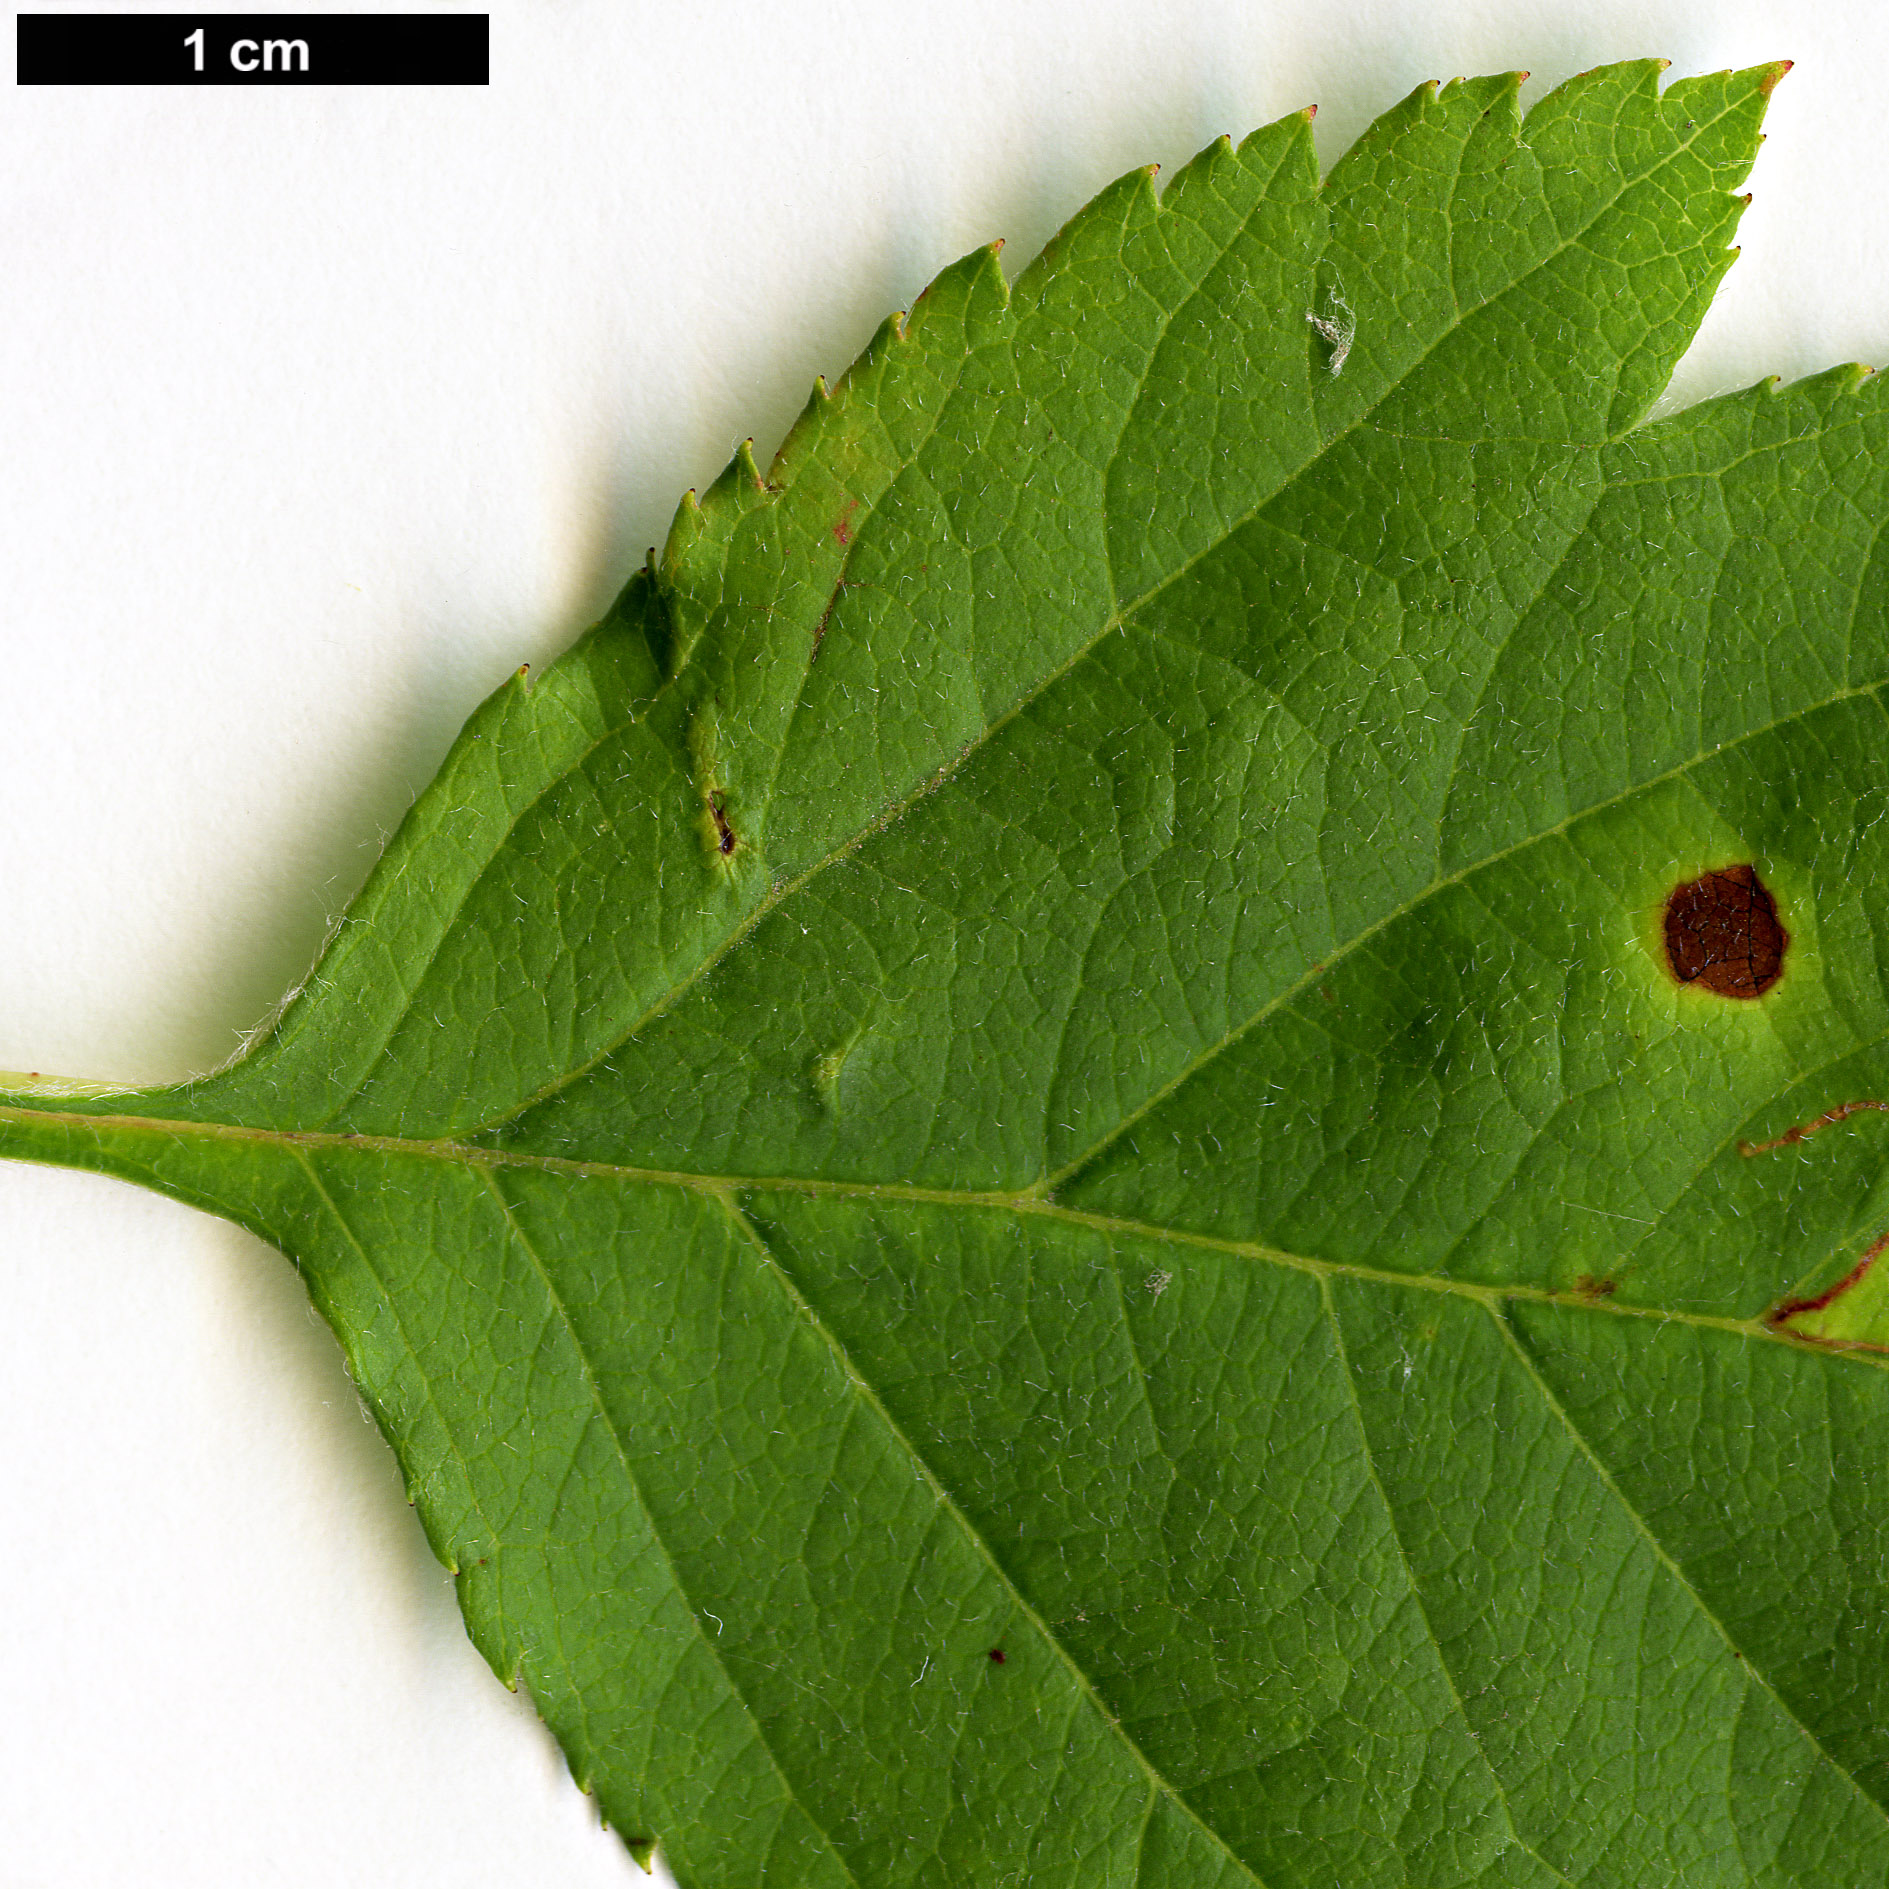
(641, 1109)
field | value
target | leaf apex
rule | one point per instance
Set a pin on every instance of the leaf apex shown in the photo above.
(1772, 75)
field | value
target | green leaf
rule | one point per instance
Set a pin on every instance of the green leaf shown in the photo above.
(1028, 1171)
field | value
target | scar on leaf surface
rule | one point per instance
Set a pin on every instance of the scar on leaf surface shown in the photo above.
(725, 834)
(1722, 932)
(1804, 1130)
(1796, 1308)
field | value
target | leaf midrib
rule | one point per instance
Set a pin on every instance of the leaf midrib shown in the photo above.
(728, 1187)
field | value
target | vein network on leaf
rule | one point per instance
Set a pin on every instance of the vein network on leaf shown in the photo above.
(1134, 1140)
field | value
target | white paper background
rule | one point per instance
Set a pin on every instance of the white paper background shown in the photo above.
(321, 412)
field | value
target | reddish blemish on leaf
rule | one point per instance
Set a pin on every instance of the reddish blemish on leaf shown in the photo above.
(1828, 1119)
(843, 525)
(996, 1656)
(1793, 1308)
(1722, 933)
(1769, 83)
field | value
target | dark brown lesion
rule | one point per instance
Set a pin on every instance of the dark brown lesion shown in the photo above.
(1723, 933)
(724, 834)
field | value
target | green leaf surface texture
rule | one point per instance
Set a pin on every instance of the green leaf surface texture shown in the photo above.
(1017, 1168)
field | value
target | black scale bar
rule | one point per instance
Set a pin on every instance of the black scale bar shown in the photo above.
(254, 49)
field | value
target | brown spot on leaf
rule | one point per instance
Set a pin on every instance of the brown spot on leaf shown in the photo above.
(1586, 1286)
(843, 525)
(996, 1656)
(1722, 932)
(725, 834)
